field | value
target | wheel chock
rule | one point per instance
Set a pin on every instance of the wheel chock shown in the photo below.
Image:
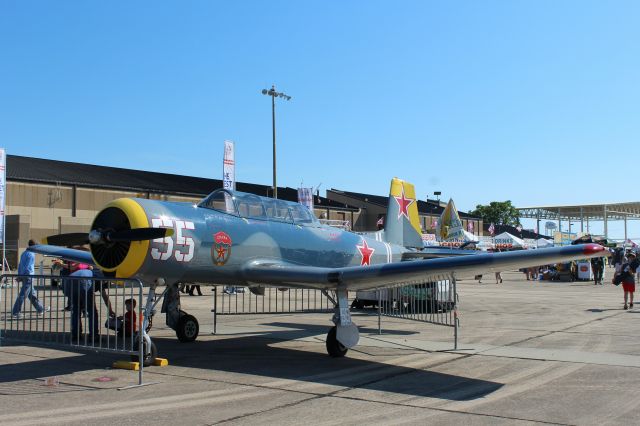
(126, 365)
(160, 362)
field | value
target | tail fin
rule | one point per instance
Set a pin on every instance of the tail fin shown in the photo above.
(402, 224)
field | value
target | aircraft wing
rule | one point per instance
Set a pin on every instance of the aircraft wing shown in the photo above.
(73, 255)
(417, 271)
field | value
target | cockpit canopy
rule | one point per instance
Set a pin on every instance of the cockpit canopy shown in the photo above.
(252, 206)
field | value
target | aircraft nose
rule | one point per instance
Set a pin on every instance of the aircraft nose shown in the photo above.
(122, 256)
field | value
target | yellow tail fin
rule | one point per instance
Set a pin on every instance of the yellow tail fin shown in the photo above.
(402, 224)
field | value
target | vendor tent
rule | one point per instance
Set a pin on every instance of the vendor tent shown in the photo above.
(468, 236)
(543, 242)
(508, 241)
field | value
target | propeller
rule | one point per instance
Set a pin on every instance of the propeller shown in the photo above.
(105, 237)
(67, 240)
(97, 236)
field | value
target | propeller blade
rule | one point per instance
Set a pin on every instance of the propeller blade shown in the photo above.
(67, 240)
(139, 234)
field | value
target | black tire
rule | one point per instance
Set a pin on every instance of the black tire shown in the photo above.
(188, 328)
(148, 358)
(335, 349)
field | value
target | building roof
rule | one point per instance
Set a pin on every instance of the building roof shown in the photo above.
(430, 207)
(40, 170)
(615, 211)
(499, 229)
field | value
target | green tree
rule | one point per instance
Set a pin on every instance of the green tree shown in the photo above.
(498, 212)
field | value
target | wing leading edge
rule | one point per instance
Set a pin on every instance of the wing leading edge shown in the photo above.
(402, 273)
(73, 255)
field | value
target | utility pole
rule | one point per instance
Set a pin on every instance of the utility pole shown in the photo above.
(272, 92)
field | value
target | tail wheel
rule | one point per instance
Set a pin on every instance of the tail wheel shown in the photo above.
(334, 348)
(188, 328)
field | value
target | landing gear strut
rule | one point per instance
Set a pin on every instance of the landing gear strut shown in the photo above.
(186, 326)
(344, 335)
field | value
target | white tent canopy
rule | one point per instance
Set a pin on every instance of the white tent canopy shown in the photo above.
(543, 242)
(468, 236)
(506, 240)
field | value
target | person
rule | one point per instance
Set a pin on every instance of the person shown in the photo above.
(130, 317)
(498, 277)
(27, 267)
(193, 288)
(617, 258)
(597, 266)
(81, 291)
(628, 271)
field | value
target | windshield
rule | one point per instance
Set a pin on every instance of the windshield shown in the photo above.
(219, 200)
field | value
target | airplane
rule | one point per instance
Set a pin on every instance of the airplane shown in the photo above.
(241, 239)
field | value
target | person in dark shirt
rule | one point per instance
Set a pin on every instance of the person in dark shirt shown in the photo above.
(597, 266)
(628, 271)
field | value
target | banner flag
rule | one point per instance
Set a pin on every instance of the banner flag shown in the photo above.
(305, 197)
(3, 188)
(229, 167)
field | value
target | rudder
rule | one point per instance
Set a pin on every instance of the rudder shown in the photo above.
(402, 224)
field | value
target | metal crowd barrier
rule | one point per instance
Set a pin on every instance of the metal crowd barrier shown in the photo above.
(229, 300)
(433, 302)
(93, 313)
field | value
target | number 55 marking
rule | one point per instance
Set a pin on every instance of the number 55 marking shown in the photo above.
(163, 249)
(184, 241)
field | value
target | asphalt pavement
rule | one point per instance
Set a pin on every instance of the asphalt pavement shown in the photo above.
(529, 352)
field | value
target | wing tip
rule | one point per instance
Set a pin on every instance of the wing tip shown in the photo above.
(593, 249)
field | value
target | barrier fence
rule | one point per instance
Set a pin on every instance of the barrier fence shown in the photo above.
(434, 302)
(242, 301)
(90, 313)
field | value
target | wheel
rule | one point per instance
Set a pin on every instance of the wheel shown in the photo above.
(148, 358)
(188, 328)
(335, 348)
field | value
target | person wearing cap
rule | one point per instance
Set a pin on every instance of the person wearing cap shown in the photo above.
(628, 271)
(26, 268)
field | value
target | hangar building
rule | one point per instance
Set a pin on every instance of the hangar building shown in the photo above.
(46, 197)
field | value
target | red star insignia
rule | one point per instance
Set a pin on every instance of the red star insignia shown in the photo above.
(365, 252)
(220, 253)
(403, 205)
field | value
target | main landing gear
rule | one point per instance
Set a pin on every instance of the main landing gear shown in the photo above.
(186, 326)
(344, 335)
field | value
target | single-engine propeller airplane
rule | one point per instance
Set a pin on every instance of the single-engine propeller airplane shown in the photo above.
(240, 239)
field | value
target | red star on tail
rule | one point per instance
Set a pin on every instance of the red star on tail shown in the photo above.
(403, 205)
(366, 253)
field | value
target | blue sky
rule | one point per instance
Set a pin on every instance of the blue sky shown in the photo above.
(536, 102)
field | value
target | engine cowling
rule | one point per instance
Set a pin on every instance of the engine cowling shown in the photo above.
(124, 258)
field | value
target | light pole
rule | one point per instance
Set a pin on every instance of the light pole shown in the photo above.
(272, 92)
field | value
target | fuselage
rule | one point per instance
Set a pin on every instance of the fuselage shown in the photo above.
(212, 245)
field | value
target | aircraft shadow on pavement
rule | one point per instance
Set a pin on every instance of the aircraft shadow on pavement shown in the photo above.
(255, 354)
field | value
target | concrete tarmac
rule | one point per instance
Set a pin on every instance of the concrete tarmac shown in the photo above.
(529, 353)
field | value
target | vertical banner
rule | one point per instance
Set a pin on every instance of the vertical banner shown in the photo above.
(229, 167)
(305, 197)
(3, 188)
